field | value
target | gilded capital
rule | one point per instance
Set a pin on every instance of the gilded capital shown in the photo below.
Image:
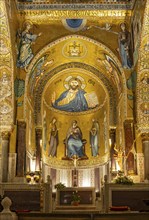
(145, 136)
(5, 135)
(38, 131)
(128, 122)
(112, 131)
(21, 124)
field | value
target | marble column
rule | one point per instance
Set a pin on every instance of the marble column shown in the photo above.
(130, 147)
(112, 149)
(21, 148)
(97, 178)
(38, 149)
(145, 146)
(129, 137)
(5, 155)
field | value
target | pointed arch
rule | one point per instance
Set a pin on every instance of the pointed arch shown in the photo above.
(68, 64)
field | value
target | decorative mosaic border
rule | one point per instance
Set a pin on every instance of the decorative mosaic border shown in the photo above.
(143, 67)
(42, 6)
(94, 162)
(6, 68)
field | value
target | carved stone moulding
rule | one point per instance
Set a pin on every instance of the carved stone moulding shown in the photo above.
(6, 128)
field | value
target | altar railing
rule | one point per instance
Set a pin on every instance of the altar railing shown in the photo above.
(28, 197)
(86, 195)
(119, 195)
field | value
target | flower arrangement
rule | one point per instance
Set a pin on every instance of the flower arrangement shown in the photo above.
(75, 199)
(36, 178)
(122, 179)
(28, 178)
(59, 186)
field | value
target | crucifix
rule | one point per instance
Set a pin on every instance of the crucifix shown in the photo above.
(75, 172)
(75, 159)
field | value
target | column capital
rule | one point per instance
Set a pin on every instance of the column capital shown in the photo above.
(38, 131)
(145, 136)
(128, 123)
(112, 130)
(21, 124)
(5, 135)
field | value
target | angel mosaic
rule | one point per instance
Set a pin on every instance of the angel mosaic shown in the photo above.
(26, 38)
